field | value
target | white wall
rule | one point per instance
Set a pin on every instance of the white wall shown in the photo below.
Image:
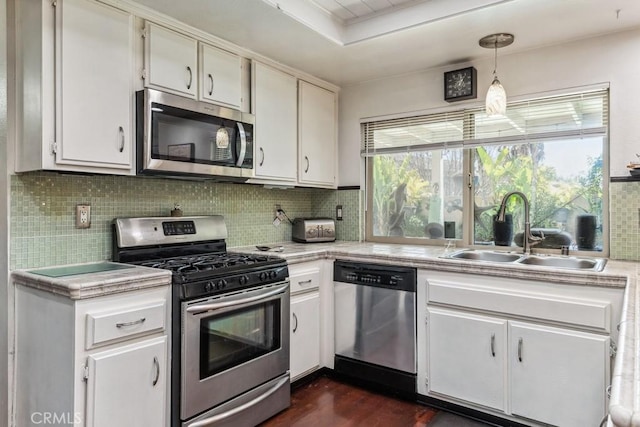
(613, 59)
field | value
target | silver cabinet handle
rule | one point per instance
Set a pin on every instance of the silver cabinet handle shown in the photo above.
(135, 322)
(493, 345)
(304, 282)
(262, 152)
(295, 328)
(210, 85)
(121, 132)
(307, 169)
(156, 364)
(190, 77)
(520, 350)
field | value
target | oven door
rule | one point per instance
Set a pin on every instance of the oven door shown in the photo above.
(231, 344)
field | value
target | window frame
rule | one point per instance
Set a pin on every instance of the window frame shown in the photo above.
(468, 147)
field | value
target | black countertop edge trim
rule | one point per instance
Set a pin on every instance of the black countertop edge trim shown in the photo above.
(349, 187)
(624, 178)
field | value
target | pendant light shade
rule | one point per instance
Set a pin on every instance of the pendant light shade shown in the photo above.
(496, 101)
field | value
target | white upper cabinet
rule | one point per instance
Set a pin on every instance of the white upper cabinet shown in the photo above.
(171, 61)
(275, 100)
(95, 70)
(220, 77)
(317, 136)
(75, 86)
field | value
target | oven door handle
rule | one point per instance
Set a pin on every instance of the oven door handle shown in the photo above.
(219, 417)
(203, 308)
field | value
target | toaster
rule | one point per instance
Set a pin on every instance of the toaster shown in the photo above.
(311, 230)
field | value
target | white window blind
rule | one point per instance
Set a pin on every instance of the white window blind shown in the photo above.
(559, 117)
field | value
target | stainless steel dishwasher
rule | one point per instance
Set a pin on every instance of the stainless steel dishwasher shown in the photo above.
(375, 324)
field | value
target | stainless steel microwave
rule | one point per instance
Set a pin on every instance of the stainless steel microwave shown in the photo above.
(177, 136)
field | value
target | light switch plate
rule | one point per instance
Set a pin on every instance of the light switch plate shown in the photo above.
(83, 216)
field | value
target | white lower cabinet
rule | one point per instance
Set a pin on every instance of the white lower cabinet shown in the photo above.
(305, 334)
(97, 362)
(308, 300)
(555, 376)
(558, 376)
(126, 385)
(467, 358)
(537, 353)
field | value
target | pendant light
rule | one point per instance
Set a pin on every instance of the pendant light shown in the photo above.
(496, 101)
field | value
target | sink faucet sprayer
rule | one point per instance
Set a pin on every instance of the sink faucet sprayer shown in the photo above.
(528, 239)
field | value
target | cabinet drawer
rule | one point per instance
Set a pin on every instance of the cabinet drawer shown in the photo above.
(304, 280)
(117, 325)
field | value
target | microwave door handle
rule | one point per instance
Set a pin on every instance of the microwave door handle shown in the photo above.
(203, 308)
(243, 145)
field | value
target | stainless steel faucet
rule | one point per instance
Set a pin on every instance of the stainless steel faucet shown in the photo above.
(528, 239)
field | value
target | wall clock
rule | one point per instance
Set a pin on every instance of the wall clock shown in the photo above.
(460, 84)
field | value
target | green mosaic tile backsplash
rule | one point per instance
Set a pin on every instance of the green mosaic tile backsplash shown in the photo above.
(43, 205)
(625, 220)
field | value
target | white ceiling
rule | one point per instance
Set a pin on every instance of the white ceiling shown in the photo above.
(348, 41)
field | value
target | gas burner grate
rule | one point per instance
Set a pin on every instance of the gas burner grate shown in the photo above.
(206, 262)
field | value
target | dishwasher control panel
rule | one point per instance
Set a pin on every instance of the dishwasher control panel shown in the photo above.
(387, 276)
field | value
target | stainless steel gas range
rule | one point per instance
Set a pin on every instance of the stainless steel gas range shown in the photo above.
(230, 319)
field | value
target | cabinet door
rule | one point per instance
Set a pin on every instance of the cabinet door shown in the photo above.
(220, 77)
(171, 61)
(467, 356)
(127, 386)
(317, 133)
(558, 376)
(95, 85)
(305, 334)
(276, 131)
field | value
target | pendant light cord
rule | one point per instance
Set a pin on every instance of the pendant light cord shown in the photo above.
(495, 58)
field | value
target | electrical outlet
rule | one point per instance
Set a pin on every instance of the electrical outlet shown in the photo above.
(338, 212)
(83, 216)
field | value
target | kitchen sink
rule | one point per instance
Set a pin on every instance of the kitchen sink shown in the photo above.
(490, 256)
(595, 264)
(571, 263)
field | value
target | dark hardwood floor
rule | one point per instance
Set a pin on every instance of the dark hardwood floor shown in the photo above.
(327, 402)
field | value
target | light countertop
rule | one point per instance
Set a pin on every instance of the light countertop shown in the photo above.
(90, 280)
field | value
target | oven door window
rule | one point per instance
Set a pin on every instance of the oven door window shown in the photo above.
(235, 337)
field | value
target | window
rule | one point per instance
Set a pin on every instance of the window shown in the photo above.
(443, 176)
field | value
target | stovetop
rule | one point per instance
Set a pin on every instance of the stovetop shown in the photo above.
(214, 263)
(194, 249)
(211, 274)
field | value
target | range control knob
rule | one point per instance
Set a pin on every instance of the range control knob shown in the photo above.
(263, 276)
(209, 286)
(272, 275)
(243, 280)
(221, 284)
